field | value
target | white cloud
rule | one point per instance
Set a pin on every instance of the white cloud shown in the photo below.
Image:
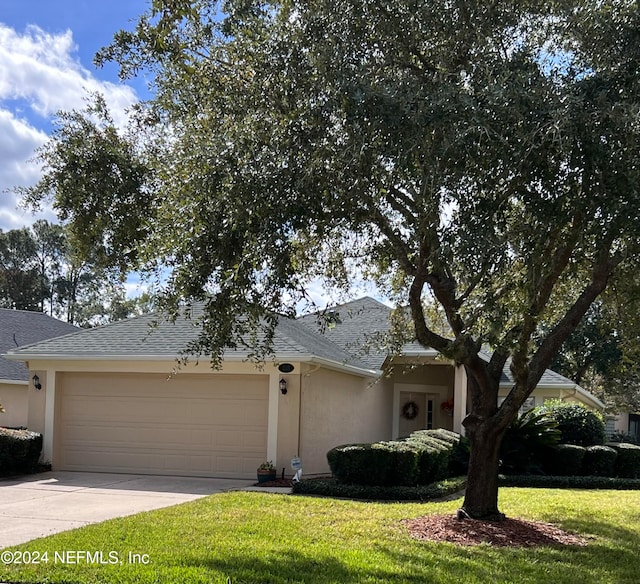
(40, 74)
(43, 70)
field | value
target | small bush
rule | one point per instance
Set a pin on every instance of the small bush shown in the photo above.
(625, 437)
(577, 424)
(527, 441)
(565, 460)
(19, 451)
(333, 488)
(599, 461)
(628, 460)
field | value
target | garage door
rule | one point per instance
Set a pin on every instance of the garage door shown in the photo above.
(191, 425)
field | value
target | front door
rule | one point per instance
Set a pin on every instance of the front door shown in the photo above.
(416, 412)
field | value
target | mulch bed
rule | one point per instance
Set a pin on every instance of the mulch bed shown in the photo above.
(507, 533)
(276, 483)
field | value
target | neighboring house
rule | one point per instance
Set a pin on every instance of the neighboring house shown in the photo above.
(109, 404)
(625, 422)
(21, 327)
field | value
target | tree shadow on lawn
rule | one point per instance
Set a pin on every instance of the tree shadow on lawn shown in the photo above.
(434, 563)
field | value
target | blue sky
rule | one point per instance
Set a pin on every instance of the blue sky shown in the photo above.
(46, 64)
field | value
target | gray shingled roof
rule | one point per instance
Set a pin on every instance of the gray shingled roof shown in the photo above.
(152, 337)
(22, 327)
(355, 340)
(359, 324)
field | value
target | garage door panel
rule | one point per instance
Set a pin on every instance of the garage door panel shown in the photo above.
(203, 425)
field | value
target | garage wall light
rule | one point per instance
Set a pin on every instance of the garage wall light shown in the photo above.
(36, 382)
(283, 387)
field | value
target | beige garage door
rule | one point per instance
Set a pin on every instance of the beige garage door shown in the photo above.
(191, 425)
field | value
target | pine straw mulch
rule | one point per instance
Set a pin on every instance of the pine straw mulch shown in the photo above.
(507, 533)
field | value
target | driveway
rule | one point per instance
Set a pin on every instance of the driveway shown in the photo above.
(42, 504)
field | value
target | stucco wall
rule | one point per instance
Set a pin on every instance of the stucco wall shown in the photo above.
(429, 374)
(14, 398)
(288, 423)
(338, 408)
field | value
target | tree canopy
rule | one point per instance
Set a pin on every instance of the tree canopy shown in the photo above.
(482, 154)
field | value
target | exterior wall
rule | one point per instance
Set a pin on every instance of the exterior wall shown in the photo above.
(14, 398)
(37, 403)
(338, 408)
(288, 422)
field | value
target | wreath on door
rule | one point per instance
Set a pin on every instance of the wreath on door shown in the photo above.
(410, 410)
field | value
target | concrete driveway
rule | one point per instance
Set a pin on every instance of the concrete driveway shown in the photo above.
(39, 505)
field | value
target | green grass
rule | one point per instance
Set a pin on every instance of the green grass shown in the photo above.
(258, 538)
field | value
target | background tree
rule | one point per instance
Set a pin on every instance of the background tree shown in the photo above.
(40, 270)
(51, 250)
(22, 286)
(485, 154)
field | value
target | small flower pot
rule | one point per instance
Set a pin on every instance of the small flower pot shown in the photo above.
(265, 476)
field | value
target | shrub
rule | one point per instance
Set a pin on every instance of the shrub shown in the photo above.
(628, 460)
(360, 464)
(333, 488)
(618, 436)
(599, 461)
(422, 458)
(19, 450)
(558, 482)
(527, 441)
(565, 460)
(577, 424)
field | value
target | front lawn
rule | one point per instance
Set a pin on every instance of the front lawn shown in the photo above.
(257, 538)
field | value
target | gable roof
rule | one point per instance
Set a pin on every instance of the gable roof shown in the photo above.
(354, 325)
(22, 327)
(150, 337)
(354, 341)
(361, 327)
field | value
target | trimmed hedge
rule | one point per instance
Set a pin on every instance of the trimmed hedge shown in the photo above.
(628, 460)
(333, 488)
(420, 459)
(565, 460)
(599, 461)
(583, 482)
(19, 451)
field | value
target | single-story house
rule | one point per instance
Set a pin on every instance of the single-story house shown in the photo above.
(22, 327)
(109, 403)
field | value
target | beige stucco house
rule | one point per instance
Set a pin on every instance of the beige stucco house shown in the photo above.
(109, 403)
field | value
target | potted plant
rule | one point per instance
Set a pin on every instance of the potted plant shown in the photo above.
(266, 472)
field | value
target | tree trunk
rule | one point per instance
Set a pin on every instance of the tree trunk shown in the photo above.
(481, 495)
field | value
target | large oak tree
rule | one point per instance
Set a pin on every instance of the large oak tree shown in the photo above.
(482, 154)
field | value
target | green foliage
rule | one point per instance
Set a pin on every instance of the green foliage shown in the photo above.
(599, 461)
(422, 458)
(628, 460)
(624, 437)
(577, 424)
(527, 442)
(19, 451)
(333, 488)
(565, 460)
(570, 482)
(441, 149)
(20, 281)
